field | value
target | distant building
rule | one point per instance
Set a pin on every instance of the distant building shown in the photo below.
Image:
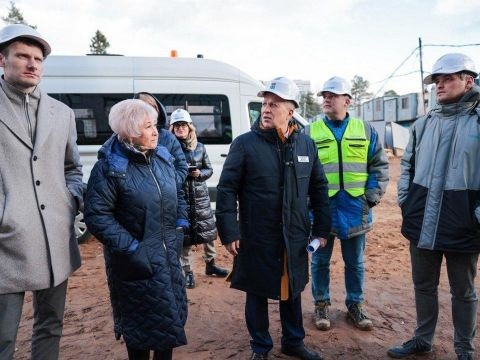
(304, 86)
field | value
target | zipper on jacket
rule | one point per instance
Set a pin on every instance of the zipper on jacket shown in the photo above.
(340, 164)
(27, 116)
(149, 164)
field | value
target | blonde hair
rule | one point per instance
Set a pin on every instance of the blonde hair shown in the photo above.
(191, 140)
(126, 117)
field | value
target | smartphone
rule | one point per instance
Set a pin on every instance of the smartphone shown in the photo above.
(192, 168)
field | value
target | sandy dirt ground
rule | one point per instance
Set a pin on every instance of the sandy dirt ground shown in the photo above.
(216, 327)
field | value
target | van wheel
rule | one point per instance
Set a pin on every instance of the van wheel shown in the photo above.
(81, 231)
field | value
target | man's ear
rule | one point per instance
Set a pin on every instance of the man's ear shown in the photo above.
(348, 101)
(469, 83)
(2, 60)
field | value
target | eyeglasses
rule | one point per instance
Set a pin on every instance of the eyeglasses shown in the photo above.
(180, 125)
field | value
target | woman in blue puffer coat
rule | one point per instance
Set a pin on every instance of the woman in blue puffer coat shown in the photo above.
(133, 207)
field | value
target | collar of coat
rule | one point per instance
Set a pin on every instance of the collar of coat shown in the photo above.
(16, 95)
(274, 135)
(118, 156)
(469, 102)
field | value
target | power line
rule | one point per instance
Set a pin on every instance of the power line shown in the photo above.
(395, 76)
(394, 71)
(462, 45)
(392, 75)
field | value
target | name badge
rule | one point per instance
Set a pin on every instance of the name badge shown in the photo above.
(303, 159)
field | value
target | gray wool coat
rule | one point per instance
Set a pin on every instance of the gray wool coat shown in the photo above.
(40, 190)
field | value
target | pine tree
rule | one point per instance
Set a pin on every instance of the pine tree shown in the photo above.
(309, 107)
(360, 90)
(99, 44)
(15, 16)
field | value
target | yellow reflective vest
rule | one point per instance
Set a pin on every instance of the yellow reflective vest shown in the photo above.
(344, 162)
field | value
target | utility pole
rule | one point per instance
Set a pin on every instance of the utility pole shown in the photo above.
(421, 73)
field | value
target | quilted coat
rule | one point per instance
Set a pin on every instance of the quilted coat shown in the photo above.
(167, 139)
(272, 181)
(132, 204)
(202, 223)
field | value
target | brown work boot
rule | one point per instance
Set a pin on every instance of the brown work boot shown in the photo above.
(320, 315)
(359, 317)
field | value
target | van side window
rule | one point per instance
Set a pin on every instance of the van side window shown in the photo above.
(210, 114)
(254, 111)
(91, 114)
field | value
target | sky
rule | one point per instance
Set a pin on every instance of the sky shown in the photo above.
(302, 39)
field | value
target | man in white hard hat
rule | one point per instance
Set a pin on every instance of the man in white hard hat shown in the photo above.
(272, 170)
(439, 194)
(356, 167)
(41, 193)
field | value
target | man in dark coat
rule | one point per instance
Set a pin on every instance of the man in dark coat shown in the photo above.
(272, 170)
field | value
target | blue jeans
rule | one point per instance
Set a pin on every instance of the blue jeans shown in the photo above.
(256, 316)
(353, 251)
(461, 271)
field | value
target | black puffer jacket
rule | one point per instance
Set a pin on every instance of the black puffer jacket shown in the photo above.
(202, 223)
(272, 181)
(133, 200)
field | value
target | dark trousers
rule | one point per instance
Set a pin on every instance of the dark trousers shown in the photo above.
(461, 270)
(256, 316)
(48, 306)
(134, 354)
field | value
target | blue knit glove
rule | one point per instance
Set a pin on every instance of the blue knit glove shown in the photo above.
(182, 223)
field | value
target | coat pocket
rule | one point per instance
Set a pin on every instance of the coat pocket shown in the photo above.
(131, 267)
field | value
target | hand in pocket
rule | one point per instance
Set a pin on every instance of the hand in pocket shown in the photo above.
(135, 266)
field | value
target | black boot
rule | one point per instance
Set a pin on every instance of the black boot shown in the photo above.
(212, 269)
(189, 280)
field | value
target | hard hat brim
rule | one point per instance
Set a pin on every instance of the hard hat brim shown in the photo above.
(429, 78)
(180, 120)
(46, 47)
(320, 93)
(12, 32)
(263, 92)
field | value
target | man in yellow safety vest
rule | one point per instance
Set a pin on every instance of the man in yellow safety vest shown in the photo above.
(356, 167)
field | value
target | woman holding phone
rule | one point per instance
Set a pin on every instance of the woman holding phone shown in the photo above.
(202, 224)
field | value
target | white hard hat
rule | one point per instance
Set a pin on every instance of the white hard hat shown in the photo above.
(284, 88)
(451, 64)
(13, 31)
(180, 115)
(337, 85)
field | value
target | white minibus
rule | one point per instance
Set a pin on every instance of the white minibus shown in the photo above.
(221, 99)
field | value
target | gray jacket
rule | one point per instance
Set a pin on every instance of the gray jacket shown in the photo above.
(439, 186)
(41, 189)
